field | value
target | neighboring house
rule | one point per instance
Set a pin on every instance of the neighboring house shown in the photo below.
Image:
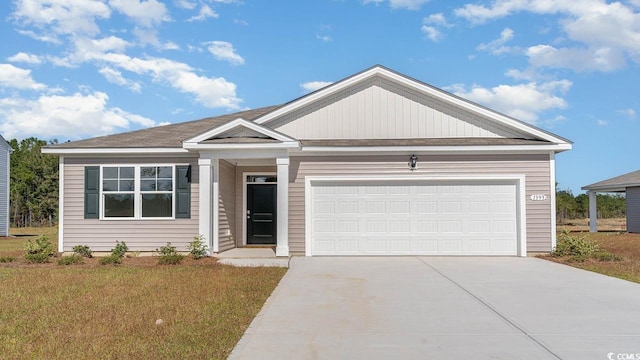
(628, 184)
(5, 180)
(375, 164)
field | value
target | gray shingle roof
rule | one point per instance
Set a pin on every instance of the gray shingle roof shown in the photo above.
(167, 136)
(618, 183)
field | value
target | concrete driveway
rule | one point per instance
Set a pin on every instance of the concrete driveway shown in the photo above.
(444, 308)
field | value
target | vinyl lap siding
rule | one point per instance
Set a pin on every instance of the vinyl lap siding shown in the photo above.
(633, 209)
(536, 169)
(227, 206)
(4, 188)
(143, 235)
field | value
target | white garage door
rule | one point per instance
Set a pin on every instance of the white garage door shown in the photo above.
(400, 218)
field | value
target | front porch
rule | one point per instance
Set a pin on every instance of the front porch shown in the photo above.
(252, 201)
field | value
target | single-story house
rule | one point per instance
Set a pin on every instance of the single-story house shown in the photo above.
(5, 181)
(375, 164)
(628, 184)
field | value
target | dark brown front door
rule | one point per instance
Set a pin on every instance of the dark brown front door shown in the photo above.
(261, 214)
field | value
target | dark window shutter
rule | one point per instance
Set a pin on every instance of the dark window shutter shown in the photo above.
(183, 192)
(91, 192)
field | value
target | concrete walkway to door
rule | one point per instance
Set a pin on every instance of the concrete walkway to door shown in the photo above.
(444, 308)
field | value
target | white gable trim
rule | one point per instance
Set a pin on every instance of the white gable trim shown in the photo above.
(235, 124)
(408, 82)
(453, 149)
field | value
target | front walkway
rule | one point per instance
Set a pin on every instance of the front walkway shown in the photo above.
(251, 257)
(443, 308)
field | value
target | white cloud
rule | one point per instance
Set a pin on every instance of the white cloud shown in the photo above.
(578, 59)
(211, 92)
(185, 4)
(431, 24)
(18, 78)
(628, 113)
(400, 4)
(603, 122)
(225, 51)
(323, 38)
(115, 77)
(432, 33)
(205, 12)
(314, 85)
(604, 34)
(497, 46)
(61, 16)
(240, 22)
(67, 117)
(145, 13)
(25, 58)
(522, 101)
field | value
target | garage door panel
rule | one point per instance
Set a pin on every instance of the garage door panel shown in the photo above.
(415, 219)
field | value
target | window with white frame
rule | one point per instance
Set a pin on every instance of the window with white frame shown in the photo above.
(142, 191)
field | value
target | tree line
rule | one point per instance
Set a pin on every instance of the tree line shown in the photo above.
(34, 190)
(34, 184)
(569, 206)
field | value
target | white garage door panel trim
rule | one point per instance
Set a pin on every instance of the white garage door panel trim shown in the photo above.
(398, 236)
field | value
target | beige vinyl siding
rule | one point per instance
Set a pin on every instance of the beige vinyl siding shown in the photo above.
(227, 206)
(381, 109)
(536, 169)
(143, 235)
(633, 209)
(241, 193)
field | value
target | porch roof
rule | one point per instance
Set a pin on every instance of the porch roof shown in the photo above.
(616, 184)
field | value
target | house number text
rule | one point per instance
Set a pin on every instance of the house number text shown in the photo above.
(538, 197)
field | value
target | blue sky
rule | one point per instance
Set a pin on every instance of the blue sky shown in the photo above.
(73, 69)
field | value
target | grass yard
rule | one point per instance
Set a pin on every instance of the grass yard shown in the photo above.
(624, 245)
(50, 311)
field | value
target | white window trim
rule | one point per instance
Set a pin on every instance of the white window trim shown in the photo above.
(137, 200)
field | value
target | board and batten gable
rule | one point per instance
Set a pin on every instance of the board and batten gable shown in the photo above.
(142, 235)
(633, 209)
(535, 168)
(379, 108)
(5, 180)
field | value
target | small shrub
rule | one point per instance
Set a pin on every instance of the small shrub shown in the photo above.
(38, 250)
(117, 253)
(110, 260)
(572, 245)
(83, 250)
(197, 248)
(70, 260)
(168, 255)
(120, 249)
(7, 259)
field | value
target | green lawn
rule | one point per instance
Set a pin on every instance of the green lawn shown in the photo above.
(90, 311)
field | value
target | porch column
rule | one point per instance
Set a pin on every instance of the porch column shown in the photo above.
(208, 181)
(282, 247)
(593, 212)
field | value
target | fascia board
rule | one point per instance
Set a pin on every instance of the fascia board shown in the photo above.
(283, 145)
(115, 151)
(439, 149)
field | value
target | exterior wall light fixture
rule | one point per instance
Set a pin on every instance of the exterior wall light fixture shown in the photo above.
(413, 162)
